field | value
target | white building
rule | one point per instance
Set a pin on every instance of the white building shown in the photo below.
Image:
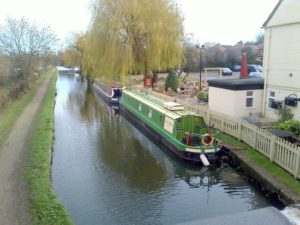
(236, 97)
(282, 59)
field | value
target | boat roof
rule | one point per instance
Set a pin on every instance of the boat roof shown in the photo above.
(157, 104)
(173, 106)
(108, 83)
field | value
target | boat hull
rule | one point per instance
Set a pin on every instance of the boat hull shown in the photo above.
(155, 136)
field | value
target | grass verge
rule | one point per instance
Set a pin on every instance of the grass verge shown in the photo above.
(45, 208)
(283, 176)
(11, 113)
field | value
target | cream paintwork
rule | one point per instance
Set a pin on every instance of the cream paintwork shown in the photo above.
(280, 94)
(233, 103)
(282, 56)
(169, 124)
(287, 13)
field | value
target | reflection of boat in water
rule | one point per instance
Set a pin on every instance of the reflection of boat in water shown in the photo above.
(183, 132)
(110, 91)
(77, 76)
(125, 155)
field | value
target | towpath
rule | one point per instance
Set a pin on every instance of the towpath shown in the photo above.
(14, 204)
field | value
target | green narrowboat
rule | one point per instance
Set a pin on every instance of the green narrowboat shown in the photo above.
(181, 131)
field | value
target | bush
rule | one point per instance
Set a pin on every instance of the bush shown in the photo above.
(171, 81)
(285, 114)
(202, 95)
(290, 125)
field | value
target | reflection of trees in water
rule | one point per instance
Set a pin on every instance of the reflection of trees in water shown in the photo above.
(126, 155)
(81, 98)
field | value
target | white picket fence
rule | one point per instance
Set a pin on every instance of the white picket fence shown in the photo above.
(284, 153)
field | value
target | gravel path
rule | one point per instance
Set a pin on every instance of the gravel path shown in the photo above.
(14, 208)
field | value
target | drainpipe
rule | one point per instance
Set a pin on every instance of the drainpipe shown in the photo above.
(266, 66)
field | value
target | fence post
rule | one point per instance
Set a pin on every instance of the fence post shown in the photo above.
(297, 163)
(255, 136)
(239, 129)
(272, 148)
(222, 123)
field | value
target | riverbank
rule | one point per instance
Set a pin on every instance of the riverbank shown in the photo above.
(16, 127)
(267, 175)
(45, 208)
(12, 111)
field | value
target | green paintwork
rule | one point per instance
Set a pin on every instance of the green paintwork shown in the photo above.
(151, 111)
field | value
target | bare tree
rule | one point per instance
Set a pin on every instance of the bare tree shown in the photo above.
(24, 42)
(4, 69)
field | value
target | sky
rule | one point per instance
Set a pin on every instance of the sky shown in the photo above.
(219, 21)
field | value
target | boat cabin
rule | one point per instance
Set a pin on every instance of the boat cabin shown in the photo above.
(170, 117)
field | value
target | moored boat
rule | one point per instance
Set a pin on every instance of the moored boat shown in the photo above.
(181, 131)
(110, 91)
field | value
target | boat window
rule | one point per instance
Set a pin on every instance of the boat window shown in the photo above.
(140, 107)
(150, 113)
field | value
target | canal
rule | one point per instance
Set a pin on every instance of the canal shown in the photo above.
(107, 172)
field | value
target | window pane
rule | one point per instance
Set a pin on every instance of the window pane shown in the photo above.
(249, 102)
(249, 93)
(272, 94)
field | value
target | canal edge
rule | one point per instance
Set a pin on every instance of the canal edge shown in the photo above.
(263, 178)
(44, 205)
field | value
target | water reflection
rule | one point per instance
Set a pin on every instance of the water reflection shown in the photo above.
(107, 172)
(124, 154)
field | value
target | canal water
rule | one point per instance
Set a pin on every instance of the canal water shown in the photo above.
(105, 171)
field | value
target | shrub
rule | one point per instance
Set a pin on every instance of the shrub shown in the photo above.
(285, 114)
(171, 81)
(290, 125)
(202, 95)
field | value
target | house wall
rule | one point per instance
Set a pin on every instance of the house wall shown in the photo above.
(282, 64)
(287, 13)
(233, 103)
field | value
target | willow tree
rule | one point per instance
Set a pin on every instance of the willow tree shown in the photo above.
(135, 37)
(73, 54)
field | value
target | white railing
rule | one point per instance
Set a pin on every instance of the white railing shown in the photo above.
(283, 153)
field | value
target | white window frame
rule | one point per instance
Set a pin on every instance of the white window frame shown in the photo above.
(269, 98)
(250, 97)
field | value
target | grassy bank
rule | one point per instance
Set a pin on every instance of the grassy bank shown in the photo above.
(11, 113)
(283, 176)
(45, 208)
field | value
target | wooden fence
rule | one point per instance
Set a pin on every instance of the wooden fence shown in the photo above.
(283, 153)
